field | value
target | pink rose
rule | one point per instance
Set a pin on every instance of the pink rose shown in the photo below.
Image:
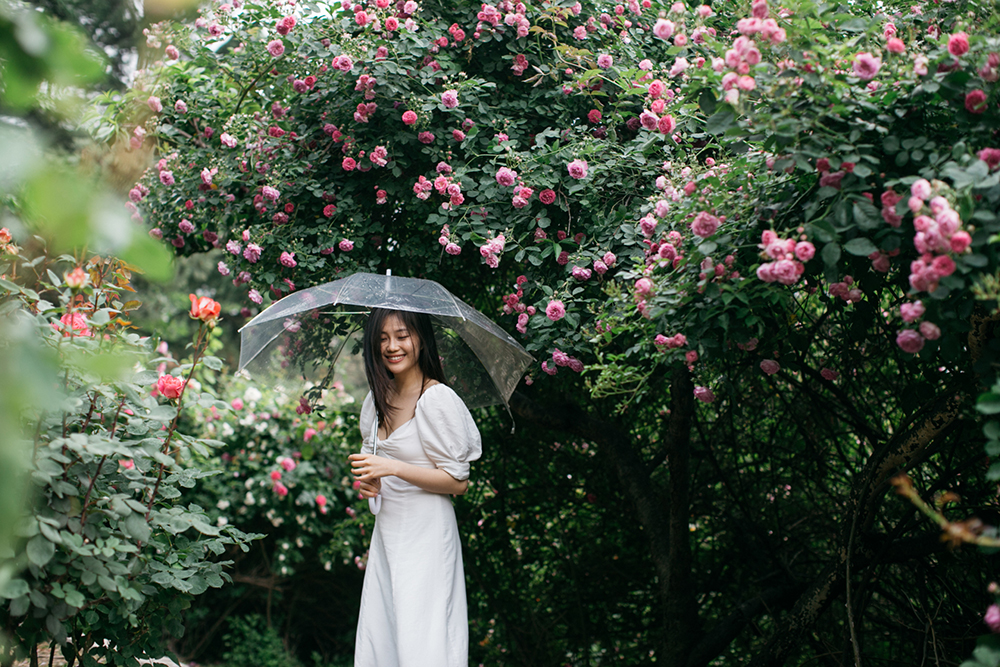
(577, 169)
(910, 341)
(555, 311)
(829, 374)
(992, 618)
(276, 47)
(280, 489)
(704, 224)
(346, 245)
(866, 66)
(663, 29)
(958, 44)
(804, 251)
(449, 99)
(409, 117)
(506, 176)
(170, 386)
(349, 164)
(911, 312)
(770, 366)
(287, 259)
(704, 394)
(547, 196)
(975, 102)
(643, 287)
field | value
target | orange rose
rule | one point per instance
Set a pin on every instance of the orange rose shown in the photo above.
(204, 309)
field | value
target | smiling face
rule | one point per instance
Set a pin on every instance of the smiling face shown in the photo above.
(400, 348)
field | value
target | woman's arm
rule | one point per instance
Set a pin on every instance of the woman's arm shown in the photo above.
(368, 468)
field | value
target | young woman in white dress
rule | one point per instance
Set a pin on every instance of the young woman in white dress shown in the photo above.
(413, 607)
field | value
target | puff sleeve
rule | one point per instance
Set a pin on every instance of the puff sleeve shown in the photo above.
(447, 431)
(365, 423)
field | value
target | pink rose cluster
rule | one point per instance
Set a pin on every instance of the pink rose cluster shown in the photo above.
(522, 194)
(787, 258)
(491, 250)
(760, 23)
(670, 343)
(560, 358)
(364, 111)
(912, 340)
(938, 233)
(845, 290)
(366, 84)
(445, 240)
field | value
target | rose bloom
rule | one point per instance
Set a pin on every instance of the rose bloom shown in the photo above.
(866, 66)
(276, 47)
(170, 386)
(663, 29)
(547, 196)
(555, 311)
(910, 341)
(704, 394)
(409, 117)
(74, 324)
(204, 309)
(506, 176)
(770, 366)
(992, 618)
(76, 278)
(910, 312)
(958, 44)
(346, 245)
(975, 102)
(287, 259)
(704, 224)
(577, 169)
(449, 99)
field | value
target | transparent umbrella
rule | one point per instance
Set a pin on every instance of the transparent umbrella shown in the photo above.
(312, 338)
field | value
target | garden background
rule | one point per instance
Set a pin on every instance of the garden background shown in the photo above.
(751, 247)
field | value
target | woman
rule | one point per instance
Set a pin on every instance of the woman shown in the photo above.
(413, 607)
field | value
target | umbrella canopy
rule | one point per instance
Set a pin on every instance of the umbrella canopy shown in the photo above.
(296, 341)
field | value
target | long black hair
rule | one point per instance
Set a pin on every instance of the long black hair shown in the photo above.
(379, 377)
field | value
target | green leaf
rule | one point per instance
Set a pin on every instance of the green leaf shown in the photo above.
(14, 588)
(135, 525)
(831, 254)
(706, 102)
(213, 362)
(721, 121)
(988, 403)
(40, 551)
(860, 247)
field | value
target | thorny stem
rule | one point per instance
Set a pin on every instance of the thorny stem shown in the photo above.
(199, 348)
(954, 532)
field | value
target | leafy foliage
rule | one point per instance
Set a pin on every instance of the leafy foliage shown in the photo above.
(110, 558)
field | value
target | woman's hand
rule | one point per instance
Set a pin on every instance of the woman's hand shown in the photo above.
(370, 489)
(368, 468)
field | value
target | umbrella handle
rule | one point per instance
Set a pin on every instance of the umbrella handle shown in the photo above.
(375, 504)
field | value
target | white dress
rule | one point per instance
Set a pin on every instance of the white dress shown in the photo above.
(413, 607)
